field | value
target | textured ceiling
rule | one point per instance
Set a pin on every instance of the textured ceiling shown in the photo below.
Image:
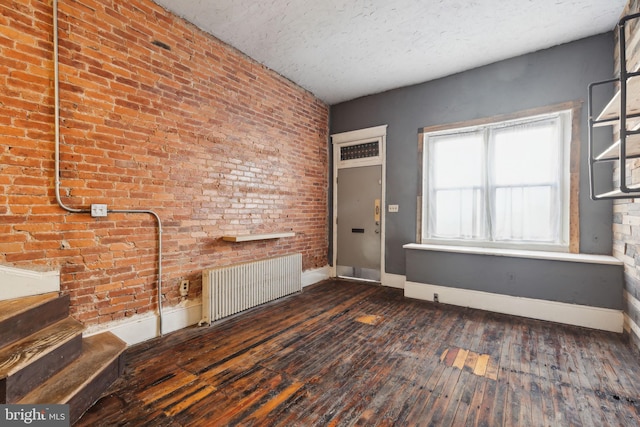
(344, 49)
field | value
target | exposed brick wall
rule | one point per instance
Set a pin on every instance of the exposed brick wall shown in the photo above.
(626, 226)
(213, 141)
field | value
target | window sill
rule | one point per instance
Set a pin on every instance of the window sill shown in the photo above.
(516, 253)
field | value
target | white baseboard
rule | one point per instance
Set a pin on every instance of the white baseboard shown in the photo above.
(393, 280)
(137, 329)
(18, 282)
(144, 327)
(572, 314)
(310, 277)
(176, 318)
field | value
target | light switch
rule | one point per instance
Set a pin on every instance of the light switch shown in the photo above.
(393, 208)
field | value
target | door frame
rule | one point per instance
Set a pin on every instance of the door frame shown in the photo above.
(379, 134)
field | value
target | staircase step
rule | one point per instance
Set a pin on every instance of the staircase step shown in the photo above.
(17, 315)
(82, 382)
(28, 362)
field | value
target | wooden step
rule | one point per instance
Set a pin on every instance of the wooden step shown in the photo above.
(28, 362)
(21, 317)
(82, 382)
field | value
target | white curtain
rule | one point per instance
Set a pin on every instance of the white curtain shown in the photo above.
(456, 199)
(525, 182)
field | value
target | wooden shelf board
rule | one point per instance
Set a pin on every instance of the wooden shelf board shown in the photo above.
(612, 152)
(612, 110)
(252, 237)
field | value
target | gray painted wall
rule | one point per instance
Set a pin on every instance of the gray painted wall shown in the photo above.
(596, 285)
(543, 78)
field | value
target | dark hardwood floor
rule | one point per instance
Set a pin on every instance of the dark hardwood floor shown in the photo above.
(343, 353)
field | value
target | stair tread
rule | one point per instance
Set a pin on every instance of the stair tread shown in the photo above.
(21, 353)
(13, 307)
(97, 351)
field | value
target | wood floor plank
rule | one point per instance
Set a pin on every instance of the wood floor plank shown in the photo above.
(465, 386)
(180, 398)
(485, 413)
(163, 388)
(547, 409)
(279, 399)
(426, 361)
(188, 400)
(482, 363)
(444, 400)
(343, 353)
(499, 398)
(431, 390)
(515, 406)
(557, 407)
(475, 405)
(387, 379)
(461, 397)
(590, 379)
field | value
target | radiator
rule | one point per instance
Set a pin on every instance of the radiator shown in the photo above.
(232, 289)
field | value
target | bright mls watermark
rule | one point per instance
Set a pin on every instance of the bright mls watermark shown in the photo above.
(34, 415)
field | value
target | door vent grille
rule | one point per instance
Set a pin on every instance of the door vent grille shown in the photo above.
(360, 151)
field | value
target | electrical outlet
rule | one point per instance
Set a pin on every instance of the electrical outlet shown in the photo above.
(184, 288)
(436, 298)
(98, 210)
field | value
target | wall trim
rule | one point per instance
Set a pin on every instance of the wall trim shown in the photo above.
(310, 277)
(518, 253)
(143, 327)
(355, 135)
(19, 282)
(572, 314)
(393, 280)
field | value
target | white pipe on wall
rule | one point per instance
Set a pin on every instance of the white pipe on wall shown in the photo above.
(57, 165)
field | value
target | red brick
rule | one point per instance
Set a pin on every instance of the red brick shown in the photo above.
(213, 141)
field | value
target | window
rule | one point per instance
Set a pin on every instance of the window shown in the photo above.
(502, 184)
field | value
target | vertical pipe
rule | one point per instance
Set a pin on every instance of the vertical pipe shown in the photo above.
(56, 95)
(592, 192)
(623, 108)
(56, 109)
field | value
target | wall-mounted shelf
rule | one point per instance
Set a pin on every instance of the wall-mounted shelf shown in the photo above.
(623, 111)
(253, 237)
(613, 151)
(613, 109)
